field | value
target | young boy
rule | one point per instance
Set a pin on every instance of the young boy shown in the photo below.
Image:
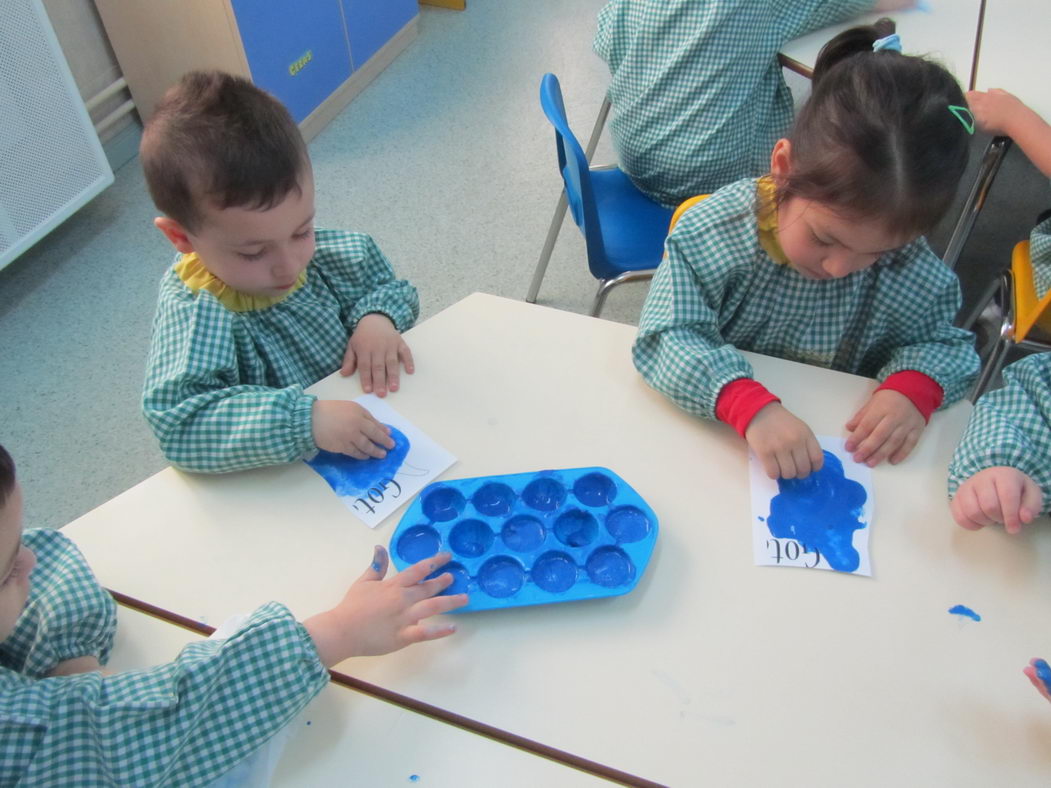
(62, 722)
(258, 304)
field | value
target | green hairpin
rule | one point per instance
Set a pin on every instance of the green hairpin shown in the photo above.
(964, 116)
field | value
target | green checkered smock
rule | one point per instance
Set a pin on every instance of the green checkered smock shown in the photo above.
(698, 96)
(224, 389)
(1011, 426)
(718, 291)
(184, 723)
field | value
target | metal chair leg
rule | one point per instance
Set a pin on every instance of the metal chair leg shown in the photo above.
(549, 246)
(969, 321)
(994, 156)
(560, 209)
(992, 367)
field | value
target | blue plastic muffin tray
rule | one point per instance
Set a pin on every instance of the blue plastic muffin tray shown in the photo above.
(531, 538)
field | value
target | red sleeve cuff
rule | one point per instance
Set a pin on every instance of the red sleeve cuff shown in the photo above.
(740, 400)
(922, 390)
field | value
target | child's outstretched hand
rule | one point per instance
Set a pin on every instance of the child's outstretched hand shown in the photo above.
(378, 616)
(375, 349)
(1001, 494)
(888, 426)
(995, 109)
(347, 428)
(784, 444)
(1039, 672)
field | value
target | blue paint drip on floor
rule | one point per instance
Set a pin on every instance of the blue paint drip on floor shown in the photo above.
(963, 610)
(348, 476)
(822, 512)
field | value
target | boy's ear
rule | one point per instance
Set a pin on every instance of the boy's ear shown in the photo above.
(781, 161)
(175, 233)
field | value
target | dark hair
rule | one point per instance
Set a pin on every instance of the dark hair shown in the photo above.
(877, 137)
(219, 138)
(7, 475)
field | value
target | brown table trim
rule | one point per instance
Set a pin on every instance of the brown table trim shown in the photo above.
(426, 709)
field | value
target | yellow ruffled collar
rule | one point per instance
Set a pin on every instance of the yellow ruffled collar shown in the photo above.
(766, 194)
(196, 277)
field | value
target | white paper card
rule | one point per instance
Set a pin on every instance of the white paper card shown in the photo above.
(820, 522)
(372, 489)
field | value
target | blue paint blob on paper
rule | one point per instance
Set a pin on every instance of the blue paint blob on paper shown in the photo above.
(963, 610)
(351, 477)
(1043, 672)
(821, 512)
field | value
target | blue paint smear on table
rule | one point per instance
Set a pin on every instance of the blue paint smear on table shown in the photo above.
(415, 778)
(351, 477)
(822, 512)
(963, 610)
(1043, 672)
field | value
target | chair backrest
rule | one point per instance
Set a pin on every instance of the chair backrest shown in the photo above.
(573, 166)
(1030, 309)
(683, 208)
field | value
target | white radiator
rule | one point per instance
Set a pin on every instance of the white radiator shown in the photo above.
(51, 162)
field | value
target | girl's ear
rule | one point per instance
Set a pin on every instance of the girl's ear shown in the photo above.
(781, 161)
(175, 233)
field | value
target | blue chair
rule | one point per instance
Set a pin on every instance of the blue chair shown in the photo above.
(623, 229)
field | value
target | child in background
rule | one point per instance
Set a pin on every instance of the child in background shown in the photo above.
(62, 722)
(823, 262)
(1001, 471)
(999, 112)
(697, 92)
(259, 304)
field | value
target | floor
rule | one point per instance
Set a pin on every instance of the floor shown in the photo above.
(446, 159)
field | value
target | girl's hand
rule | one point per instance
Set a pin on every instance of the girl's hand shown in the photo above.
(378, 616)
(888, 426)
(347, 428)
(785, 445)
(375, 350)
(1001, 494)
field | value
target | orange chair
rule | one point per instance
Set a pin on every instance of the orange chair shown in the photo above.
(1026, 317)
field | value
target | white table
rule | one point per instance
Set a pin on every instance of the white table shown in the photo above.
(712, 669)
(947, 33)
(347, 738)
(1014, 52)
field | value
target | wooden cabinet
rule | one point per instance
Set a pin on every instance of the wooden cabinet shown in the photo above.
(314, 55)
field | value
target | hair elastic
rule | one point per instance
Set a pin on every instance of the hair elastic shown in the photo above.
(891, 42)
(963, 115)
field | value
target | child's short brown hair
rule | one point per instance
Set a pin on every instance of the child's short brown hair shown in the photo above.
(218, 138)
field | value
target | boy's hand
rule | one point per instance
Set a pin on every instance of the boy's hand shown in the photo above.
(1001, 494)
(785, 445)
(375, 350)
(378, 616)
(994, 109)
(887, 426)
(347, 428)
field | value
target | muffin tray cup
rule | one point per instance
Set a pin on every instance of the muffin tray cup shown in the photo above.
(531, 538)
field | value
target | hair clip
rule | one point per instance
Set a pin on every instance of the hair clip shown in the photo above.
(891, 42)
(964, 115)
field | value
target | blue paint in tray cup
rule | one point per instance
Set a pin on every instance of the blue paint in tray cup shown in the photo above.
(531, 538)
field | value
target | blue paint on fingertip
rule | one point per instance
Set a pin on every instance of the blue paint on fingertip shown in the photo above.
(963, 610)
(1043, 672)
(822, 512)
